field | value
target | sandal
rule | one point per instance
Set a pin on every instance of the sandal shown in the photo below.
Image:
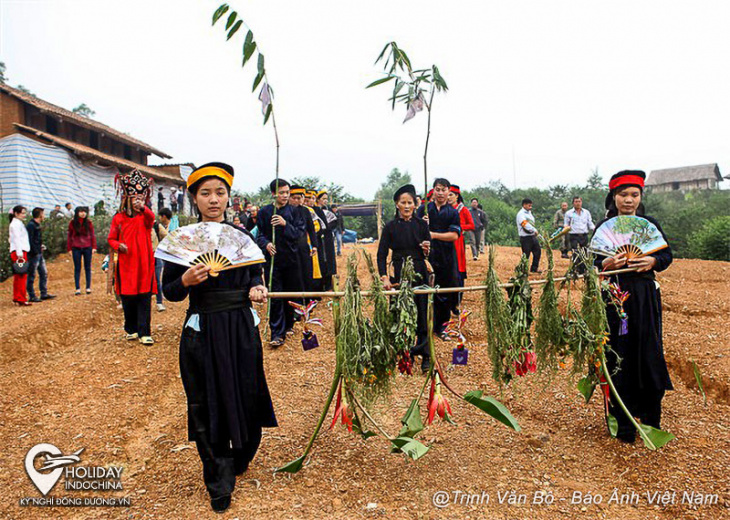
(277, 342)
(146, 340)
(132, 336)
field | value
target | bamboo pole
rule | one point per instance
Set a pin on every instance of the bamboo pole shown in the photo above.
(435, 290)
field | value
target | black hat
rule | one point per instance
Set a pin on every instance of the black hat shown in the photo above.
(214, 169)
(408, 188)
(624, 178)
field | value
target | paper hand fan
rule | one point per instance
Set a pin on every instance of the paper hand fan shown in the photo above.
(628, 234)
(217, 245)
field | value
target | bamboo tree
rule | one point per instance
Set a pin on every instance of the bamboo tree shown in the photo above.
(411, 87)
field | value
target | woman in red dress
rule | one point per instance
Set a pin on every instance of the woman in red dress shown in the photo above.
(134, 275)
(467, 224)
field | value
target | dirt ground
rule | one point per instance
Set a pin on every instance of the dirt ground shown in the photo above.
(70, 379)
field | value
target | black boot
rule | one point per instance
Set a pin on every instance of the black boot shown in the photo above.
(220, 504)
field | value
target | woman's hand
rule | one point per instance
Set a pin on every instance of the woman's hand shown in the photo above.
(386, 282)
(645, 263)
(258, 294)
(197, 274)
(614, 262)
(123, 248)
(426, 246)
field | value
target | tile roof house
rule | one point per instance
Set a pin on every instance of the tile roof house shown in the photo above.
(81, 155)
(701, 177)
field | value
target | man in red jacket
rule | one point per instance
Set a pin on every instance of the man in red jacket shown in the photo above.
(134, 275)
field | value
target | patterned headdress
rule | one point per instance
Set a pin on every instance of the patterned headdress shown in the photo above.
(130, 186)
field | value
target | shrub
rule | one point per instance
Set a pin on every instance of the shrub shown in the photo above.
(712, 240)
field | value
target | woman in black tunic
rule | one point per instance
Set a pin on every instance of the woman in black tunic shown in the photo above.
(408, 236)
(642, 376)
(221, 358)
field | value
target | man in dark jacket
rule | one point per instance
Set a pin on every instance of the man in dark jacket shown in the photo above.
(281, 250)
(36, 262)
(480, 224)
(339, 228)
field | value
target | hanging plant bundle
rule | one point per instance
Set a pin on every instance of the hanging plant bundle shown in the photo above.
(496, 317)
(550, 328)
(404, 318)
(593, 312)
(520, 356)
(378, 355)
(352, 333)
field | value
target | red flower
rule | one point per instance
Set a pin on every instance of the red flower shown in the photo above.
(527, 363)
(437, 403)
(342, 409)
(405, 363)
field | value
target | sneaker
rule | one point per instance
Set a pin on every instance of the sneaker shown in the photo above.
(78, 292)
(88, 291)
(146, 340)
(132, 336)
(475, 258)
(161, 307)
(220, 504)
(48, 296)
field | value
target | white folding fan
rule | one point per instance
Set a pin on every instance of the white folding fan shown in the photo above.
(216, 245)
(628, 234)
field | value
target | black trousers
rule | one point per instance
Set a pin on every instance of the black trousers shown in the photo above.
(221, 462)
(287, 278)
(578, 241)
(530, 245)
(137, 313)
(646, 404)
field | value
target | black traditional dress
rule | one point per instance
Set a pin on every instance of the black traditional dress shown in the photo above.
(306, 242)
(642, 376)
(404, 238)
(327, 245)
(222, 370)
(443, 260)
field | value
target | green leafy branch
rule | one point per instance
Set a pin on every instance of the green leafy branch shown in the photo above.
(411, 87)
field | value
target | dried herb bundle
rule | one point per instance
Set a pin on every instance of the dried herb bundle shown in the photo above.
(404, 311)
(520, 357)
(496, 316)
(593, 311)
(549, 328)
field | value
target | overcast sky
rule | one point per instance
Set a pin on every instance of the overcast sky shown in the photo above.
(540, 92)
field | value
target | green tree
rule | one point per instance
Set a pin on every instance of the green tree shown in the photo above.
(3, 79)
(712, 241)
(84, 110)
(25, 89)
(387, 189)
